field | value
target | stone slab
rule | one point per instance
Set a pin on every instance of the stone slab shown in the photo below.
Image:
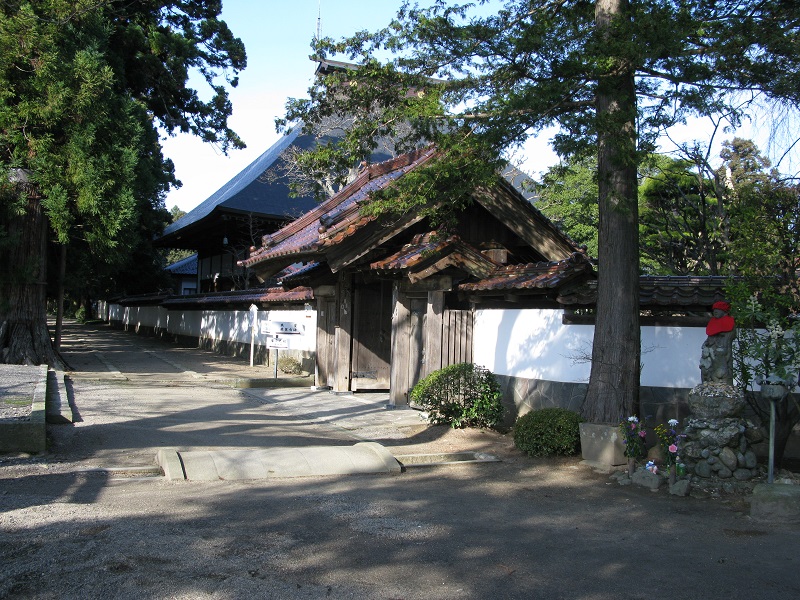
(58, 410)
(27, 434)
(776, 502)
(230, 465)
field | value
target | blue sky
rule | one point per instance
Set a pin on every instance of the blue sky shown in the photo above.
(277, 35)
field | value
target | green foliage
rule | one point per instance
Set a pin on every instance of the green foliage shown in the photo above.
(86, 90)
(568, 197)
(767, 348)
(80, 314)
(548, 432)
(461, 395)
(684, 220)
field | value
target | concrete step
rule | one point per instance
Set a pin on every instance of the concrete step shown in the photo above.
(58, 410)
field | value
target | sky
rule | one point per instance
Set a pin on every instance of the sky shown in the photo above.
(277, 36)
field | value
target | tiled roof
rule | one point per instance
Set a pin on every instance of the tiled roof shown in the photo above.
(185, 266)
(662, 291)
(143, 299)
(247, 193)
(293, 273)
(264, 295)
(335, 219)
(429, 253)
(532, 277)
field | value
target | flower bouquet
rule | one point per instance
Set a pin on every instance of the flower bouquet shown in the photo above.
(633, 438)
(669, 438)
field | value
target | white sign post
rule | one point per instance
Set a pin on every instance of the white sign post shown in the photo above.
(253, 323)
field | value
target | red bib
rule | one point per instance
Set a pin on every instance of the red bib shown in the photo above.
(720, 325)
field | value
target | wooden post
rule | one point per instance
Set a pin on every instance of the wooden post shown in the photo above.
(398, 366)
(344, 333)
(433, 332)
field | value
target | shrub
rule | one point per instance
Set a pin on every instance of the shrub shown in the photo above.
(290, 365)
(80, 314)
(548, 432)
(461, 395)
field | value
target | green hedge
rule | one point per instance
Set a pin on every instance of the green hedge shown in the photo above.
(460, 395)
(548, 432)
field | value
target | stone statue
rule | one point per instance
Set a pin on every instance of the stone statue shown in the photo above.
(716, 359)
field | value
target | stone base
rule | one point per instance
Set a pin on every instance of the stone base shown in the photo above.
(715, 401)
(601, 445)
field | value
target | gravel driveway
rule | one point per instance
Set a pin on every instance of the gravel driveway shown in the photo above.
(88, 520)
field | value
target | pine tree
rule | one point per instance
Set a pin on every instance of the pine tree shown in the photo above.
(83, 86)
(612, 74)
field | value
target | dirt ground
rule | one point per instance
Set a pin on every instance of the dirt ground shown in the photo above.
(88, 520)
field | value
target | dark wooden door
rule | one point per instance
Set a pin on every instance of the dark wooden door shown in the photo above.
(372, 336)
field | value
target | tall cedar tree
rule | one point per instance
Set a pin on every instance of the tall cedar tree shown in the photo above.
(480, 79)
(83, 87)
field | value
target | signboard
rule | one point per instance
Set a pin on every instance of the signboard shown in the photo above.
(277, 342)
(285, 327)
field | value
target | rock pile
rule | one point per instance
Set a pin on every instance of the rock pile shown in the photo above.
(718, 441)
(720, 447)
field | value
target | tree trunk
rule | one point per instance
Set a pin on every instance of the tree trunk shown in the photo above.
(62, 274)
(614, 380)
(24, 338)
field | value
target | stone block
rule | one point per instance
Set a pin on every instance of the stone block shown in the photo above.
(715, 400)
(645, 478)
(728, 458)
(601, 445)
(779, 503)
(702, 469)
(724, 473)
(680, 488)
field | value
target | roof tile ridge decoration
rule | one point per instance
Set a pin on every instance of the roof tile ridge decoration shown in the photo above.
(576, 259)
(333, 223)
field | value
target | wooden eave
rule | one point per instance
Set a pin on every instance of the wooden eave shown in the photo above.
(516, 213)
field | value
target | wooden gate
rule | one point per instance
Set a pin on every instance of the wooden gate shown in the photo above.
(426, 337)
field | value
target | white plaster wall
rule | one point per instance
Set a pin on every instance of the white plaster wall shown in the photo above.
(534, 344)
(223, 325)
(234, 326)
(162, 319)
(187, 322)
(671, 356)
(142, 316)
